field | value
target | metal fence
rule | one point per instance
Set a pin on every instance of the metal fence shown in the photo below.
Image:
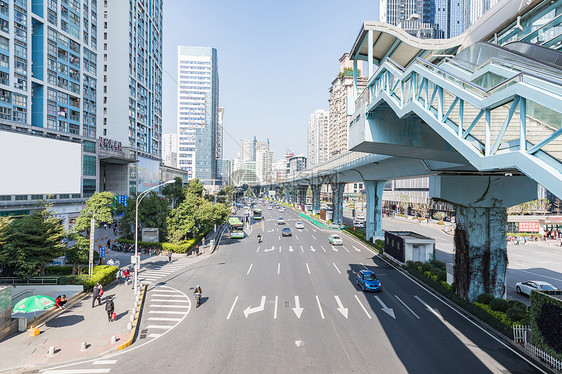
(34, 280)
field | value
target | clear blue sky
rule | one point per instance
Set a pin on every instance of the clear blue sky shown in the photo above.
(276, 61)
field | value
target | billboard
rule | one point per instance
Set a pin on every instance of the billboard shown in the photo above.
(32, 165)
(148, 173)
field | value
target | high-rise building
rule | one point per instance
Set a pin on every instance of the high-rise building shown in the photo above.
(130, 77)
(48, 96)
(249, 148)
(170, 149)
(198, 113)
(318, 138)
(264, 165)
(296, 164)
(342, 105)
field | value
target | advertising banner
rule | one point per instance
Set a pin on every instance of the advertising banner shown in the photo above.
(148, 174)
(528, 227)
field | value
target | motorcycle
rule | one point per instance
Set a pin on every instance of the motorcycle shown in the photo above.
(259, 239)
(197, 299)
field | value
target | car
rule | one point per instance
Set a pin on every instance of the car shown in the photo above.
(281, 209)
(280, 221)
(336, 226)
(527, 286)
(359, 224)
(299, 225)
(269, 207)
(368, 281)
(335, 240)
(286, 231)
(360, 217)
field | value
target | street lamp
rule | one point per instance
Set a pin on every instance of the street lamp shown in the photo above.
(139, 199)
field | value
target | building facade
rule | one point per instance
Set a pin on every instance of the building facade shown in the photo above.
(198, 113)
(170, 150)
(296, 164)
(264, 165)
(318, 138)
(341, 106)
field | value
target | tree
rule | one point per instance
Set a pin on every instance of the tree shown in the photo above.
(557, 205)
(181, 222)
(194, 187)
(99, 209)
(209, 214)
(33, 241)
(153, 212)
(174, 192)
(4, 236)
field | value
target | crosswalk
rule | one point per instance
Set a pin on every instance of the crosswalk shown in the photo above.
(96, 367)
(345, 307)
(167, 307)
(291, 248)
(153, 274)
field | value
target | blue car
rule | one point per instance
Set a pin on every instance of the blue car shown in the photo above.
(368, 281)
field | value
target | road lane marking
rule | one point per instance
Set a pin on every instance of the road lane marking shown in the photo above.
(166, 301)
(407, 307)
(340, 308)
(164, 319)
(305, 229)
(357, 249)
(167, 306)
(158, 327)
(77, 371)
(323, 248)
(160, 295)
(165, 312)
(258, 249)
(297, 309)
(302, 249)
(307, 268)
(346, 249)
(314, 231)
(362, 264)
(365, 310)
(313, 237)
(279, 249)
(385, 309)
(104, 362)
(278, 268)
(154, 335)
(232, 307)
(432, 310)
(320, 307)
(249, 269)
(279, 237)
(275, 310)
(297, 237)
(336, 267)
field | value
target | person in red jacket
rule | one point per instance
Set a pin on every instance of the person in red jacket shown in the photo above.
(58, 302)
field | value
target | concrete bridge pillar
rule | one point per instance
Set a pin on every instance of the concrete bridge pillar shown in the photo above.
(373, 224)
(302, 196)
(287, 195)
(337, 200)
(316, 197)
(294, 194)
(481, 226)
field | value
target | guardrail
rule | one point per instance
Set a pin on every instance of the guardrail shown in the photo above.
(34, 280)
(20, 296)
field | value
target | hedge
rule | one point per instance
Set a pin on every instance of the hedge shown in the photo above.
(546, 323)
(103, 274)
(184, 246)
(498, 315)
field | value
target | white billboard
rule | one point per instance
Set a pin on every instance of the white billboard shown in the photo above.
(33, 165)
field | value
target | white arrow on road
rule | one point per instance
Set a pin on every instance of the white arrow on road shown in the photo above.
(271, 230)
(269, 249)
(340, 308)
(432, 310)
(297, 309)
(386, 309)
(334, 249)
(357, 249)
(291, 248)
(250, 310)
(312, 249)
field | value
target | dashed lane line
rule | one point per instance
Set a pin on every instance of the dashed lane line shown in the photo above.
(365, 310)
(250, 269)
(232, 308)
(319, 307)
(336, 267)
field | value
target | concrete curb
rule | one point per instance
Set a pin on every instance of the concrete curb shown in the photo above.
(136, 322)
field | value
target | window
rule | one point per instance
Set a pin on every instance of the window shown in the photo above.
(20, 82)
(89, 165)
(5, 113)
(4, 44)
(20, 100)
(4, 61)
(88, 187)
(21, 197)
(89, 147)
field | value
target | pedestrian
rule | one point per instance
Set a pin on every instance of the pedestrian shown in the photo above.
(126, 274)
(63, 301)
(119, 276)
(57, 302)
(117, 262)
(108, 245)
(170, 256)
(111, 262)
(96, 294)
(203, 242)
(110, 309)
(197, 250)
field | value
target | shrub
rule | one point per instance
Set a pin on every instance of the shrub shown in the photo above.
(58, 270)
(499, 305)
(426, 267)
(427, 274)
(103, 274)
(410, 264)
(446, 285)
(433, 277)
(442, 275)
(517, 304)
(379, 243)
(417, 264)
(485, 298)
(434, 271)
(516, 314)
(500, 316)
(438, 264)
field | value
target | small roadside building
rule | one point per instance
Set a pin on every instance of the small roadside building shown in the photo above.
(405, 246)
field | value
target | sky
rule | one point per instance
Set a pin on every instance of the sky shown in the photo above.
(276, 59)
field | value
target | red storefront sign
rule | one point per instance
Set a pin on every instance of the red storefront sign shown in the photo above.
(529, 227)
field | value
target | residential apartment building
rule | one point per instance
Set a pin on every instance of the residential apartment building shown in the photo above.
(264, 165)
(130, 77)
(49, 64)
(341, 104)
(198, 113)
(318, 138)
(296, 164)
(170, 150)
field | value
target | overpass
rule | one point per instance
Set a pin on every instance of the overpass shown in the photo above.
(480, 114)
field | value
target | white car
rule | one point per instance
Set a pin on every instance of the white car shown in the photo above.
(527, 286)
(280, 221)
(281, 209)
(335, 240)
(299, 225)
(269, 207)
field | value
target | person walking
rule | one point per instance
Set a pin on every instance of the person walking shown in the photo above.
(109, 308)
(170, 256)
(96, 294)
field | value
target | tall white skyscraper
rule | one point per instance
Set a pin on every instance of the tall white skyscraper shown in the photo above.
(318, 135)
(198, 113)
(170, 149)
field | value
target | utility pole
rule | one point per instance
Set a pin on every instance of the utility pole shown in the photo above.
(91, 256)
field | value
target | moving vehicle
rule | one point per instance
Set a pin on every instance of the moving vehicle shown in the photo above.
(197, 299)
(269, 207)
(236, 228)
(280, 221)
(335, 240)
(359, 224)
(336, 226)
(257, 214)
(527, 286)
(299, 225)
(368, 281)
(281, 209)
(286, 231)
(360, 217)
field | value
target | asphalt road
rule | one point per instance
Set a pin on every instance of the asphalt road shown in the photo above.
(533, 261)
(291, 305)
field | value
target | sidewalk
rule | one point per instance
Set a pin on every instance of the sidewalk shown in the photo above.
(66, 332)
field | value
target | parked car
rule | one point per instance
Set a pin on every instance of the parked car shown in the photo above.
(359, 224)
(527, 286)
(360, 217)
(368, 281)
(286, 231)
(336, 226)
(335, 240)
(299, 225)
(280, 221)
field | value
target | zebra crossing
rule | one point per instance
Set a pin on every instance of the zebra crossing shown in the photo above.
(96, 367)
(152, 275)
(167, 307)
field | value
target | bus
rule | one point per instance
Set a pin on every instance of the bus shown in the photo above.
(257, 214)
(236, 228)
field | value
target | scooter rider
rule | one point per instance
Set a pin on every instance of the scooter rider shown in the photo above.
(259, 238)
(198, 292)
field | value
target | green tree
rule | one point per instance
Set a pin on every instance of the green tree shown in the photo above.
(194, 187)
(209, 214)
(153, 212)
(33, 241)
(182, 224)
(174, 192)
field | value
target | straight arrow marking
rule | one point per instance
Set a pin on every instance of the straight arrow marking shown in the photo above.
(365, 310)
(297, 309)
(341, 309)
(249, 310)
(385, 309)
(334, 249)
(407, 307)
(357, 249)
(291, 249)
(320, 307)
(336, 267)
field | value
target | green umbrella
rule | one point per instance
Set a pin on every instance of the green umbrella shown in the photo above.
(32, 304)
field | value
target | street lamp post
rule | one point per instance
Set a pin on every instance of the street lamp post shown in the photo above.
(139, 199)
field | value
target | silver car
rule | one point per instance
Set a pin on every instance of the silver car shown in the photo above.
(527, 286)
